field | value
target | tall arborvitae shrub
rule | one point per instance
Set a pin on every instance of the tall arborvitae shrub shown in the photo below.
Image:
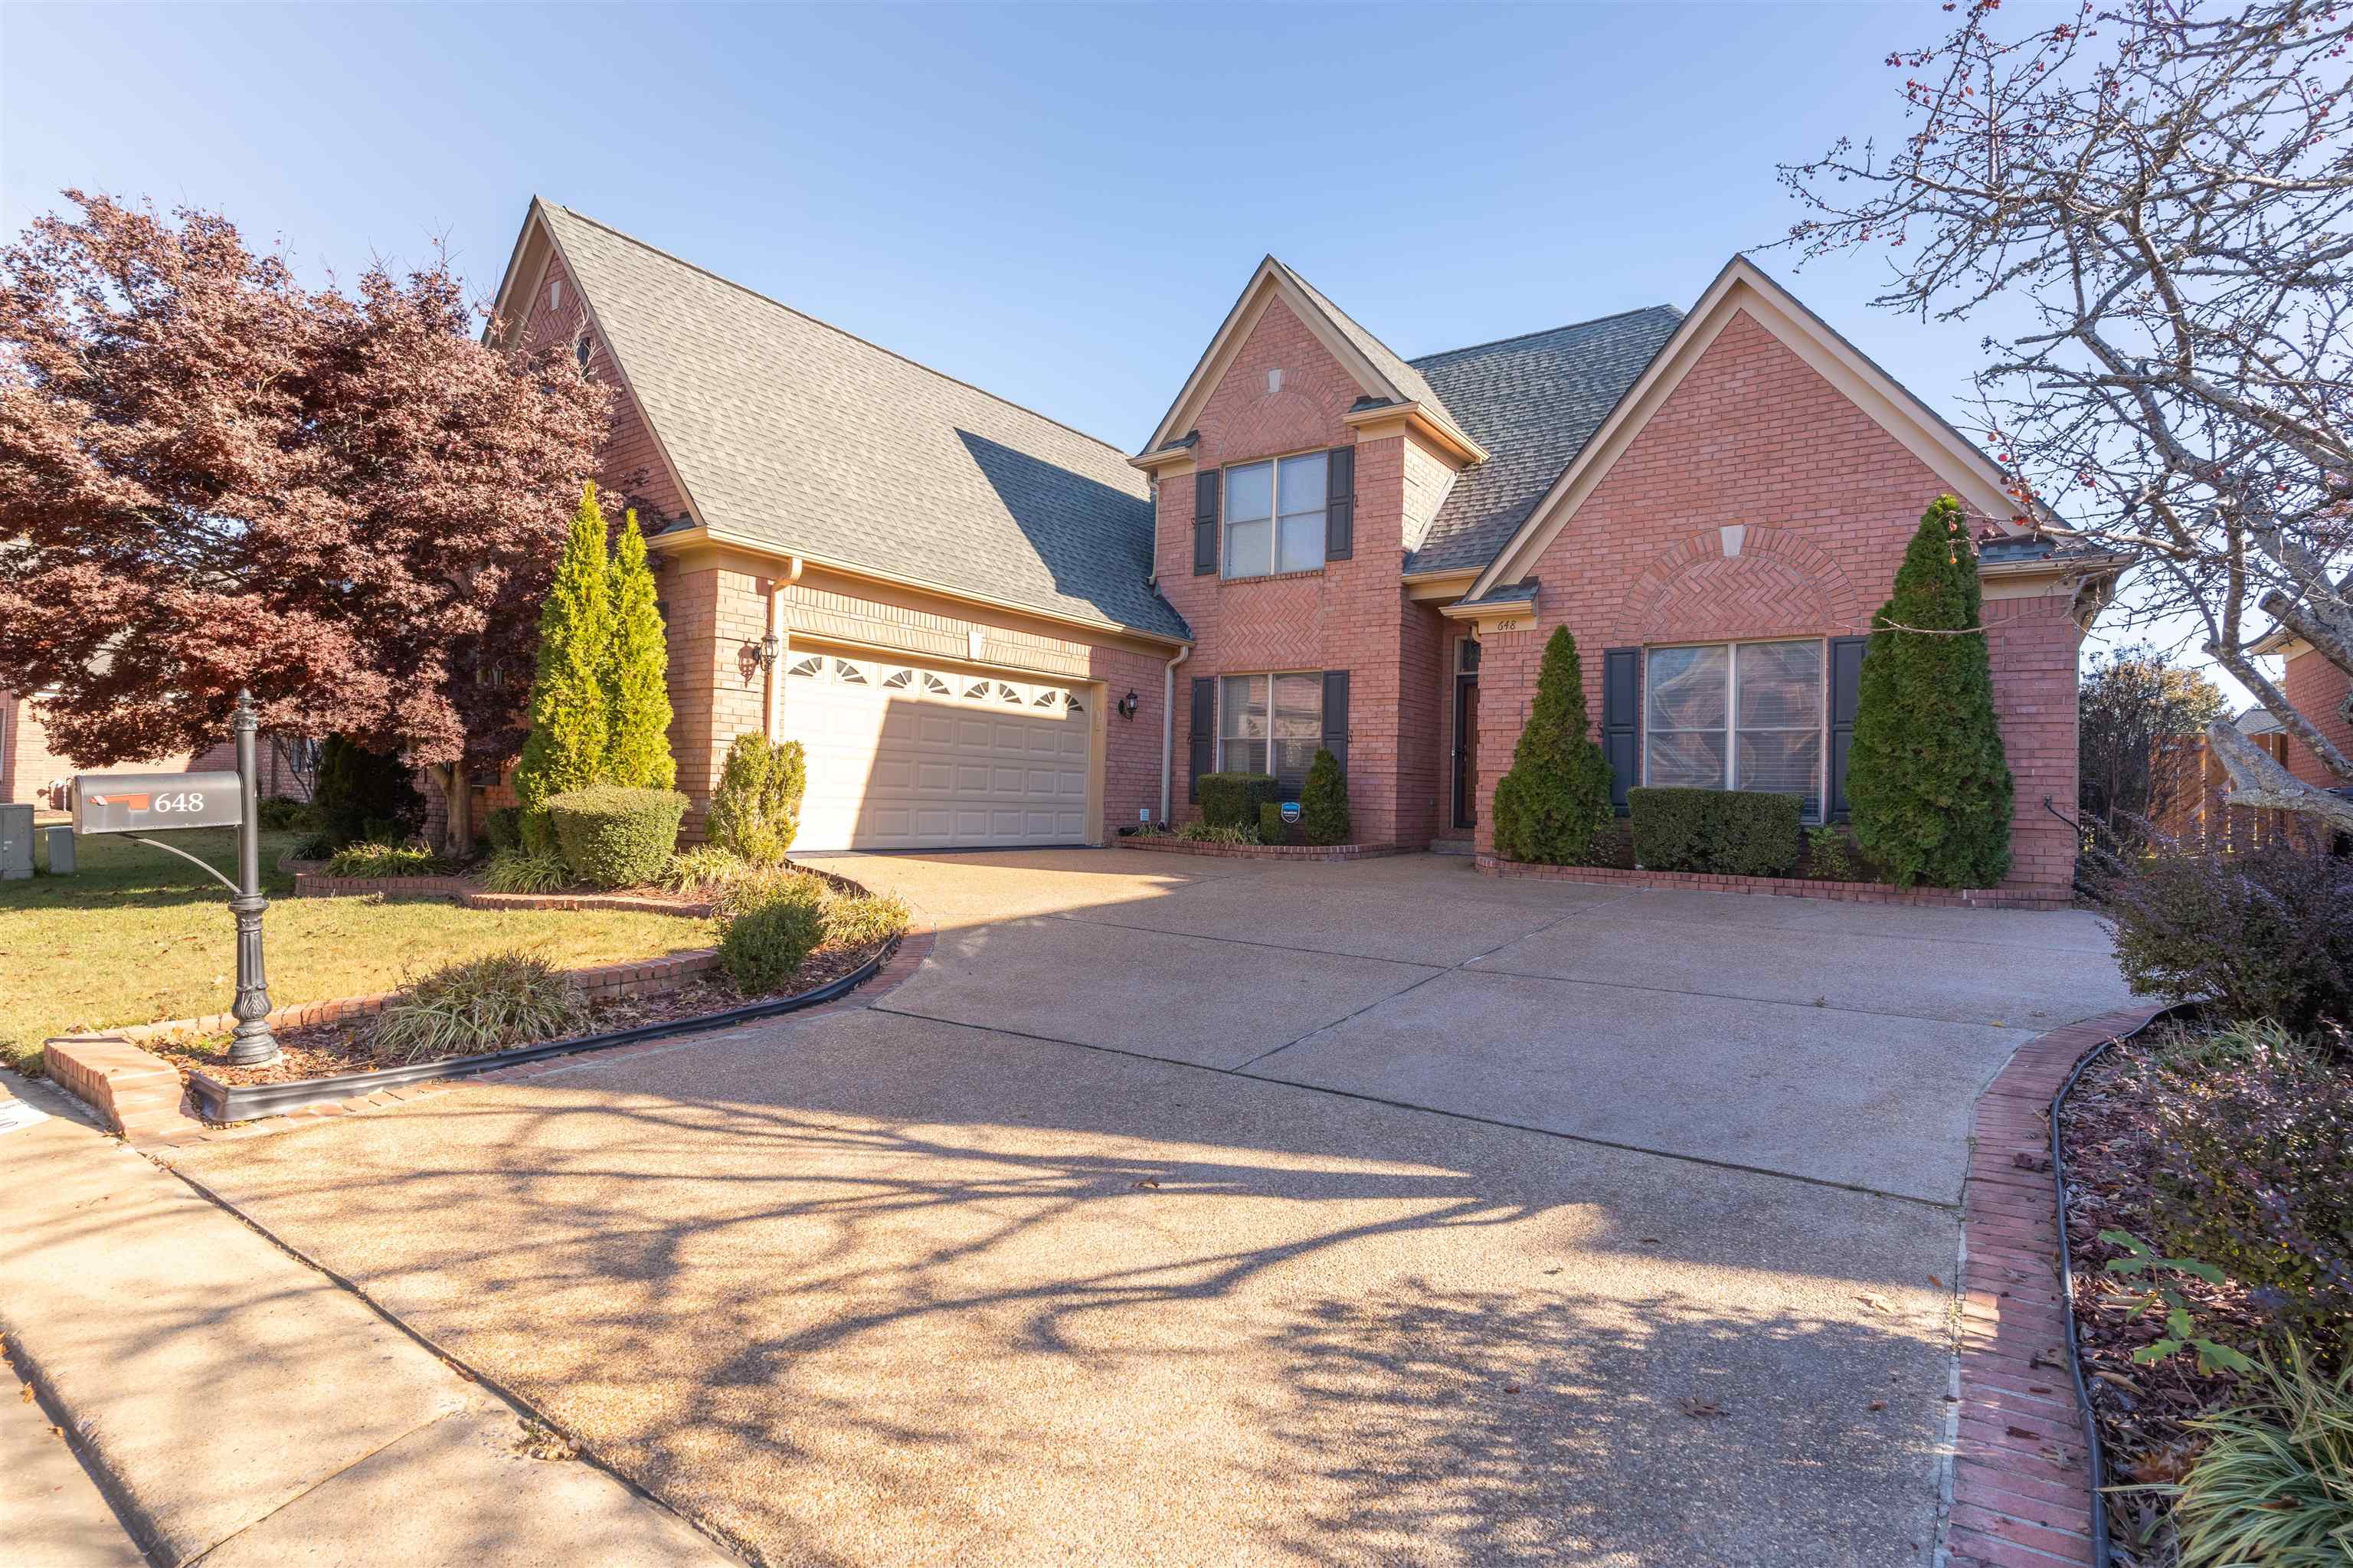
(1556, 797)
(571, 725)
(1323, 803)
(1927, 779)
(637, 673)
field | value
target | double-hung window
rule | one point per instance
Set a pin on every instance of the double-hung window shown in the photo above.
(1270, 724)
(1274, 516)
(1736, 715)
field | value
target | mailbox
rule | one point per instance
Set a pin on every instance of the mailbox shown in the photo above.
(151, 802)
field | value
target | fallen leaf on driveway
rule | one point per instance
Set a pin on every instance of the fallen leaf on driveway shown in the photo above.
(1875, 1301)
(2031, 1161)
(1701, 1409)
(1649, 1240)
(1147, 1181)
(1937, 1282)
(1879, 1404)
(1511, 1388)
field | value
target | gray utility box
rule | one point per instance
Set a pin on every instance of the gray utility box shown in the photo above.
(59, 842)
(16, 842)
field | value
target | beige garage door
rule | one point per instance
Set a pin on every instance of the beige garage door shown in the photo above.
(902, 756)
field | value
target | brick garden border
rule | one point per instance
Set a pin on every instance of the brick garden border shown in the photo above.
(2022, 1485)
(470, 893)
(1787, 887)
(1170, 843)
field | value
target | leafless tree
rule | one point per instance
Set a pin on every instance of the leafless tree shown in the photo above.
(2157, 197)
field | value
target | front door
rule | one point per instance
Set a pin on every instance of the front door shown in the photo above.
(1466, 735)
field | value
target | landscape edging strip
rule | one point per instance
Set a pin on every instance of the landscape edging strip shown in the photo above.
(245, 1102)
(2094, 1458)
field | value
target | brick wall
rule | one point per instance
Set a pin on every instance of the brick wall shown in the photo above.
(1346, 615)
(1825, 501)
(2316, 688)
(29, 765)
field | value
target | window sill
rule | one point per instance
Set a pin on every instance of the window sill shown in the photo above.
(1224, 582)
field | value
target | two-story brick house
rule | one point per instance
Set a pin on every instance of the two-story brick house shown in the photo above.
(991, 629)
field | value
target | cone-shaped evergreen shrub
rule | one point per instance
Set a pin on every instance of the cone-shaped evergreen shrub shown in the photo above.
(1557, 795)
(1927, 779)
(637, 673)
(570, 724)
(756, 810)
(1323, 802)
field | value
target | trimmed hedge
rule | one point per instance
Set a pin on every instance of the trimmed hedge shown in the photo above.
(613, 837)
(1323, 803)
(1271, 827)
(1232, 800)
(1726, 832)
(503, 828)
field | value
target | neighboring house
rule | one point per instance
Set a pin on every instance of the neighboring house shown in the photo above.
(991, 629)
(2316, 689)
(32, 774)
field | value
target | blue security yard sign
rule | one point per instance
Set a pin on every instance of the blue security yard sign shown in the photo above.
(1291, 812)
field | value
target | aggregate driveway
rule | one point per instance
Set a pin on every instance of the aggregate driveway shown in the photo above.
(1188, 1211)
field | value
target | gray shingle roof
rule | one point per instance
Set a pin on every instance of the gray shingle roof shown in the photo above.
(1533, 402)
(1401, 373)
(788, 430)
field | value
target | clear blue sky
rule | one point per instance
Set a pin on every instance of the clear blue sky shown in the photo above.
(1055, 203)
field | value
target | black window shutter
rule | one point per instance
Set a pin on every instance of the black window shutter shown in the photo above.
(1335, 716)
(1846, 687)
(1340, 508)
(1205, 733)
(1205, 524)
(1621, 699)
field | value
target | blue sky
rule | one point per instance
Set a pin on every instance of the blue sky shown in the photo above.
(1055, 202)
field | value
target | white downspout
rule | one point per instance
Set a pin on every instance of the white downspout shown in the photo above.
(1168, 723)
(772, 703)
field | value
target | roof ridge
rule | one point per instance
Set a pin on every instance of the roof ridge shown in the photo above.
(1541, 332)
(1120, 452)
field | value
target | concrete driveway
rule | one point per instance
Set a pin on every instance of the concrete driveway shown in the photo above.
(1190, 1212)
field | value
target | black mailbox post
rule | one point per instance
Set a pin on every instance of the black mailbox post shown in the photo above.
(135, 804)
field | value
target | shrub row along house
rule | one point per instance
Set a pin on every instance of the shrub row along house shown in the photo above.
(987, 629)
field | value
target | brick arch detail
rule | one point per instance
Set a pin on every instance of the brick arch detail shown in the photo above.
(1781, 584)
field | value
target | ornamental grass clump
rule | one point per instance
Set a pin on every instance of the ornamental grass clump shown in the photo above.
(514, 998)
(526, 871)
(2274, 1486)
(702, 871)
(375, 860)
(860, 919)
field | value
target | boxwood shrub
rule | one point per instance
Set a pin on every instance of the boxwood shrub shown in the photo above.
(1270, 827)
(613, 837)
(1232, 800)
(763, 945)
(1728, 832)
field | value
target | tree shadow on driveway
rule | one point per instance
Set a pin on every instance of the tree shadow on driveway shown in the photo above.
(881, 1290)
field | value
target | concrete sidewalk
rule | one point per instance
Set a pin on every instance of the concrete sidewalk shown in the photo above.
(240, 1407)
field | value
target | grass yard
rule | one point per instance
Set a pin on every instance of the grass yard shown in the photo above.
(139, 936)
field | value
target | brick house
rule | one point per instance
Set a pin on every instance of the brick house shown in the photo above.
(991, 629)
(2318, 689)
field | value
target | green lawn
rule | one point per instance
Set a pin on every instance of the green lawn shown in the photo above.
(139, 936)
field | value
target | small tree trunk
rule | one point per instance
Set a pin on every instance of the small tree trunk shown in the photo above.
(458, 809)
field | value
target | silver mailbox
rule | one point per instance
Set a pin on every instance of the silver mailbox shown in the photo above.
(152, 802)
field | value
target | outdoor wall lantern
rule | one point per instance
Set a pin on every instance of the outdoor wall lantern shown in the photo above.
(1127, 706)
(772, 648)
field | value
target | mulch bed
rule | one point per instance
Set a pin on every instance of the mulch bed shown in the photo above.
(2141, 1410)
(330, 1050)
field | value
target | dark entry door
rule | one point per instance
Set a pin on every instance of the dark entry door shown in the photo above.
(1466, 749)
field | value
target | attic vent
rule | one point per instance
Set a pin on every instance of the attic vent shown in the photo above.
(1273, 381)
(556, 294)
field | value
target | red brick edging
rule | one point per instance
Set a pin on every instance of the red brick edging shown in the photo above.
(1170, 843)
(1788, 886)
(2021, 1489)
(142, 1095)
